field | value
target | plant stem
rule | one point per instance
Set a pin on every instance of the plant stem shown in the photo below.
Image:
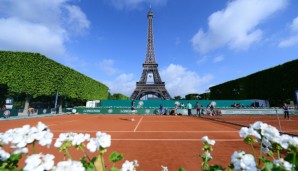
(68, 154)
(102, 161)
(278, 154)
(254, 152)
(261, 154)
(294, 158)
(85, 154)
(33, 147)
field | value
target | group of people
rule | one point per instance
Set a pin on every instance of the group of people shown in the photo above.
(199, 109)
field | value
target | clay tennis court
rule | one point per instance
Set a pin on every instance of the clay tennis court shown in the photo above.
(172, 141)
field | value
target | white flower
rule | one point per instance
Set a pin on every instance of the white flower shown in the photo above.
(244, 132)
(41, 127)
(205, 139)
(20, 137)
(135, 163)
(39, 162)
(7, 137)
(93, 145)
(21, 150)
(285, 141)
(74, 138)
(58, 143)
(69, 165)
(208, 155)
(3, 155)
(257, 125)
(265, 150)
(266, 143)
(47, 139)
(102, 140)
(128, 166)
(284, 164)
(164, 168)
(242, 161)
(270, 132)
(294, 141)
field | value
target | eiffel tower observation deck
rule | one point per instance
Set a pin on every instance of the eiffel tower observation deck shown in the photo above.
(150, 85)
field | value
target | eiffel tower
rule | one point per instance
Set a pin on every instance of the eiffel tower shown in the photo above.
(150, 82)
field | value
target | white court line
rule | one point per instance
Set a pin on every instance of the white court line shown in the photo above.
(74, 120)
(159, 139)
(149, 131)
(138, 124)
(219, 140)
(177, 121)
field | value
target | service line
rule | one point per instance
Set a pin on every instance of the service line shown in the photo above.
(138, 124)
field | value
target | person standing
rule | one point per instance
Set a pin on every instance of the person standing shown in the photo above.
(175, 109)
(189, 107)
(160, 109)
(133, 110)
(286, 111)
(198, 107)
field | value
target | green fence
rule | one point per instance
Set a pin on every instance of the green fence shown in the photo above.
(181, 111)
(171, 103)
(8, 113)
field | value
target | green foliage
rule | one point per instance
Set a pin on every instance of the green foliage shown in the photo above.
(115, 157)
(11, 164)
(276, 84)
(192, 96)
(36, 75)
(118, 96)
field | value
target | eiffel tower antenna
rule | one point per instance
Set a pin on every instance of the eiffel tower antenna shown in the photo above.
(150, 82)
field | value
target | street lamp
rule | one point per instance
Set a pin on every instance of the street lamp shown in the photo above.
(56, 100)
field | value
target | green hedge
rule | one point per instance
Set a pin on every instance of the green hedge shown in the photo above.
(35, 75)
(277, 84)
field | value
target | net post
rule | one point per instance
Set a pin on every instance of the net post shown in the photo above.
(278, 120)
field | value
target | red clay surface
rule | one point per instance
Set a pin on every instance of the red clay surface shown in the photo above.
(172, 141)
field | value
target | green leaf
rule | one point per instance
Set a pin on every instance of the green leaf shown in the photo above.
(15, 157)
(290, 158)
(267, 166)
(216, 168)
(181, 169)
(114, 169)
(115, 157)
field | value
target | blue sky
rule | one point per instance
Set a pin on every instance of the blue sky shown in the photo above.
(197, 43)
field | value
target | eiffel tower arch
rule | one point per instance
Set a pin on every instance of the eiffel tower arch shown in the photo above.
(150, 82)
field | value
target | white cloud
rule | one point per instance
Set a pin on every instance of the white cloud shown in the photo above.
(107, 65)
(180, 81)
(202, 60)
(77, 19)
(17, 34)
(293, 40)
(218, 59)
(236, 25)
(294, 25)
(135, 4)
(39, 25)
(123, 84)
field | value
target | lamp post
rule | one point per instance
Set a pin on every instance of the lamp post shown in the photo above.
(56, 100)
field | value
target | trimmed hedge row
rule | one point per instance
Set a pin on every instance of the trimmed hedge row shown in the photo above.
(35, 75)
(277, 84)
